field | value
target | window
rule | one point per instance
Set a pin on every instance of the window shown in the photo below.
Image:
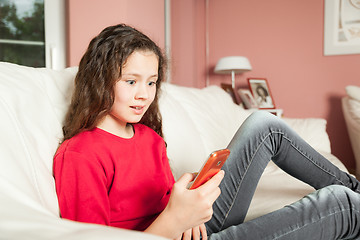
(32, 32)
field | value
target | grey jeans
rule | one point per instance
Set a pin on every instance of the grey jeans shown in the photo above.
(331, 212)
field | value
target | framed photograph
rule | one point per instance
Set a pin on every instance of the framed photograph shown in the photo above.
(342, 27)
(276, 112)
(247, 98)
(261, 91)
(229, 89)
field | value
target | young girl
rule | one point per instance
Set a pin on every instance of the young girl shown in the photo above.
(112, 168)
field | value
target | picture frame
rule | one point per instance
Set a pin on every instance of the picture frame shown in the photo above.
(341, 27)
(229, 89)
(260, 90)
(276, 112)
(247, 98)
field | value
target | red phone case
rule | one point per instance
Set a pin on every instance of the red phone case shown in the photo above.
(211, 167)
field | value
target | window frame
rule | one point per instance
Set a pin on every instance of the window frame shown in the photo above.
(55, 34)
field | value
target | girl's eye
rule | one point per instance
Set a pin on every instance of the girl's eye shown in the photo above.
(152, 83)
(131, 82)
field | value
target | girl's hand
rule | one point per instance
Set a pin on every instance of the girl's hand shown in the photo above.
(194, 233)
(186, 208)
(192, 208)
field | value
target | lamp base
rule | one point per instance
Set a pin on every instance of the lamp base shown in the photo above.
(233, 79)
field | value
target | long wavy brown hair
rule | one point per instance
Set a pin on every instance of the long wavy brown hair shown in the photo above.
(99, 70)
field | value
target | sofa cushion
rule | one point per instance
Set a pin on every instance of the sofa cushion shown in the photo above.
(32, 106)
(354, 109)
(197, 122)
(180, 134)
(353, 92)
(353, 102)
(313, 131)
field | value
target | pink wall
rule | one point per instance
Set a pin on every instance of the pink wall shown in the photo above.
(87, 18)
(188, 65)
(284, 43)
(282, 39)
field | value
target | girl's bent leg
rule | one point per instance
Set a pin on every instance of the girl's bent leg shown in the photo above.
(263, 137)
(330, 213)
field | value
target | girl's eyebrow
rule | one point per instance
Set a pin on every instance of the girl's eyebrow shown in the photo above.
(137, 75)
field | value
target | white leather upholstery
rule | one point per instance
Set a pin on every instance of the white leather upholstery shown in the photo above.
(32, 107)
(351, 111)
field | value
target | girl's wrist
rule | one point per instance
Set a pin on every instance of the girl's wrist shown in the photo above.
(165, 225)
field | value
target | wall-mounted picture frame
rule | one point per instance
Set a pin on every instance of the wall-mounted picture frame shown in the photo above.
(229, 89)
(261, 91)
(247, 98)
(341, 27)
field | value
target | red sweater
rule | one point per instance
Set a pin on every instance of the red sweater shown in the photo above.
(102, 178)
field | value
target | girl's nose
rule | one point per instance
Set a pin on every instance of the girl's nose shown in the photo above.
(142, 92)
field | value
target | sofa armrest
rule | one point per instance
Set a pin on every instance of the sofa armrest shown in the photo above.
(351, 111)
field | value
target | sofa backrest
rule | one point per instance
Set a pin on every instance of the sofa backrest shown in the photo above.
(32, 105)
(197, 122)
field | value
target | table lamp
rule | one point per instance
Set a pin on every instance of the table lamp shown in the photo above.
(232, 64)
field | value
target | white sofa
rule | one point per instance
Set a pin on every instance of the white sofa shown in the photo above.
(351, 111)
(196, 121)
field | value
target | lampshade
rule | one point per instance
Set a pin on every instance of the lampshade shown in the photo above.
(236, 64)
(232, 64)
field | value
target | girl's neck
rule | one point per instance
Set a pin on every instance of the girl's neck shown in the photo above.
(127, 133)
(113, 127)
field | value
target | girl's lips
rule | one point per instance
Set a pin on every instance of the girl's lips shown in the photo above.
(137, 109)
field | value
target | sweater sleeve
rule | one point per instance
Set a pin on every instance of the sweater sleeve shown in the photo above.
(81, 186)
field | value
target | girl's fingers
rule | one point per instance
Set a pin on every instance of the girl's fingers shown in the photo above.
(196, 233)
(185, 179)
(187, 235)
(213, 183)
(203, 232)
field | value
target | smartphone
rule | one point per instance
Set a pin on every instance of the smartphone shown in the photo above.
(211, 167)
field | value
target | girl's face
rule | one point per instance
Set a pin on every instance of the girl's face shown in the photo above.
(135, 90)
